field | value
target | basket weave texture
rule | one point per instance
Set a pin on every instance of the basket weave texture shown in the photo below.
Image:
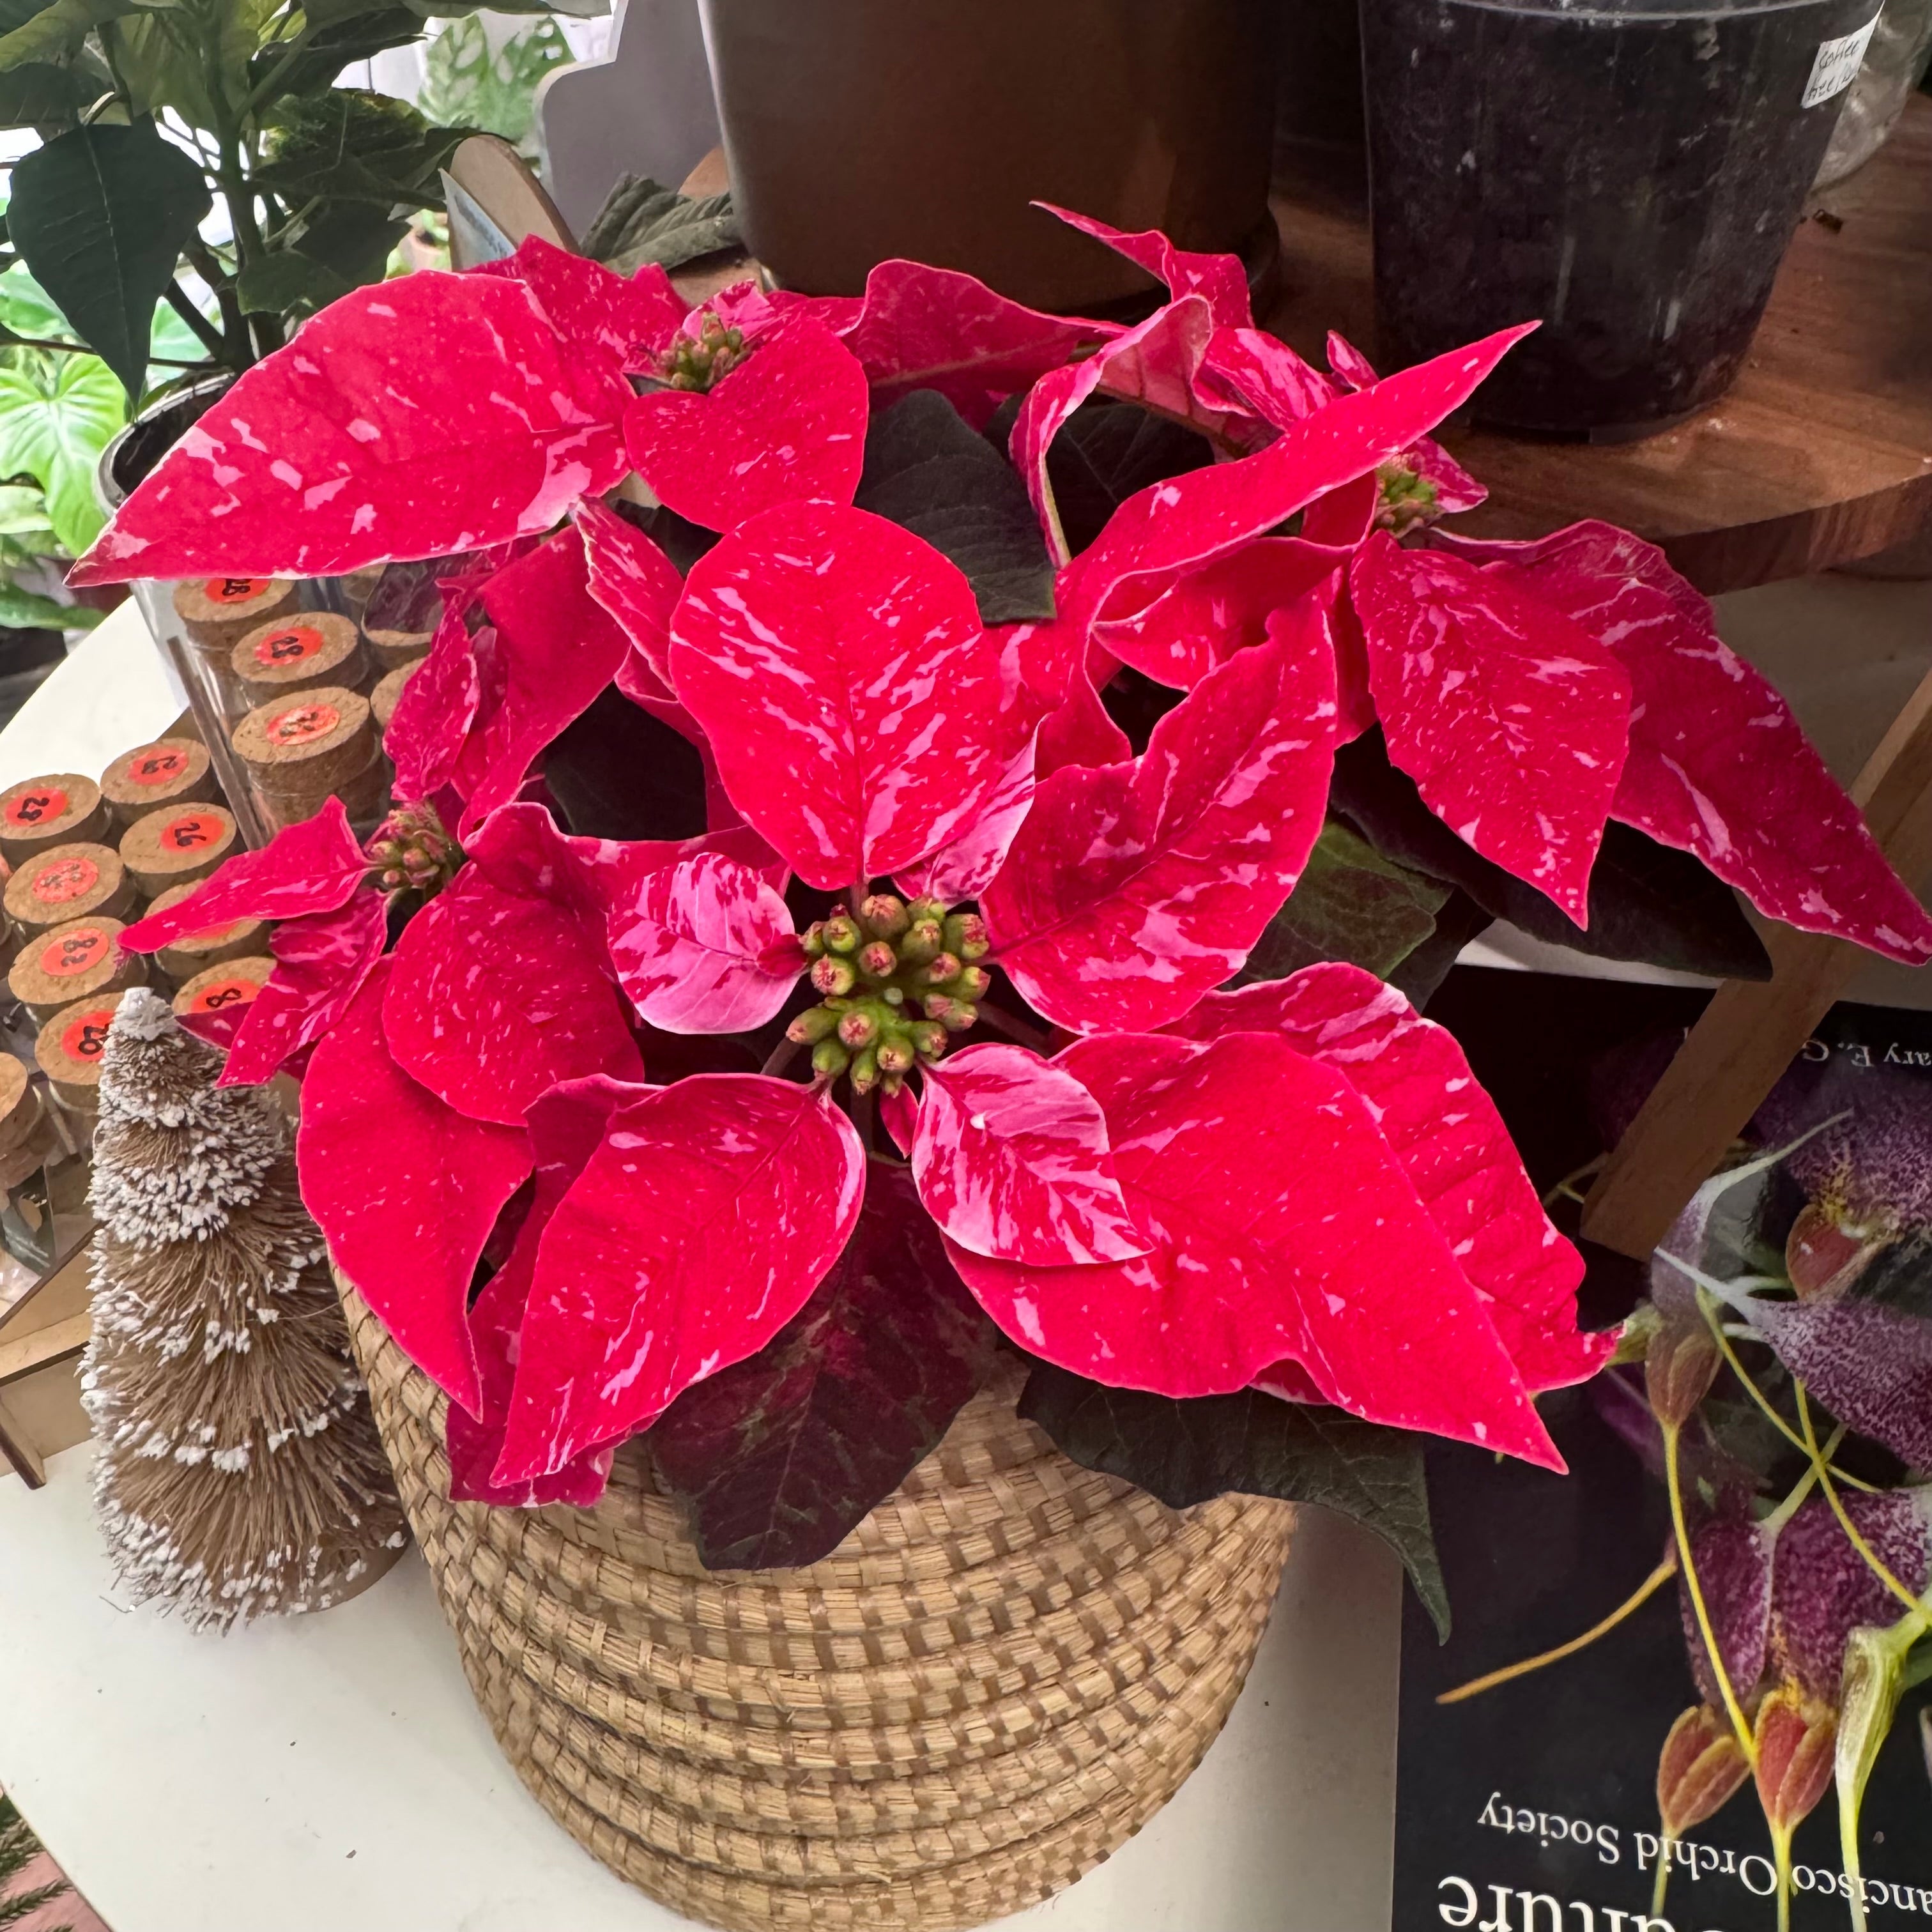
(994, 1682)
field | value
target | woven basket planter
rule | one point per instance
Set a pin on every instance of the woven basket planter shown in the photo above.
(996, 1680)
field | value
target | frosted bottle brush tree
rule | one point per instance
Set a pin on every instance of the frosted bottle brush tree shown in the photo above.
(931, 884)
(239, 1472)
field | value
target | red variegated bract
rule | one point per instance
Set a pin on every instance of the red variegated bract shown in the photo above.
(496, 996)
(1132, 890)
(556, 648)
(878, 729)
(1451, 1141)
(566, 1127)
(1220, 280)
(1718, 766)
(633, 580)
(787, 422)
(406, 1189)
(1456, 490)
(1512, 721)
(434, 712)
(321, 961)
(314, 464)
(1010, 1156)
(697, 1230)
(1249, 366)
(922, 327)
(313, 866)
(1282, 1228)
(1079, 731)
(600, 314)
(1207, 615)
(705, 946)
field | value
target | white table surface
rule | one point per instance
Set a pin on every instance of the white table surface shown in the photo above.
(330, 1773)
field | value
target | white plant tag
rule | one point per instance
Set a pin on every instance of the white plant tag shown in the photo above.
(1837, 64)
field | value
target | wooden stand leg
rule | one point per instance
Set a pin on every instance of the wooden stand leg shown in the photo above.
(16, 1446)
(1752, 1030)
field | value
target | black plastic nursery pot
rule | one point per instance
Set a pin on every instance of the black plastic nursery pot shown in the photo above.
(1628, 172)
(857, 130)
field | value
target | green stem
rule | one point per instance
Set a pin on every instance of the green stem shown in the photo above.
(270, 82)
(1734, 1709)
(177, 300)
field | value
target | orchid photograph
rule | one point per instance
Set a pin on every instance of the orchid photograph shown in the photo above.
(989, 973)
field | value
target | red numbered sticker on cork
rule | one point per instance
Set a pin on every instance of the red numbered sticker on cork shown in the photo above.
(40, 806)
(157, 768)
(191, 833)
(225, 994)
(75, 953)
(86, 1035)
(289, 646)
(65, 879)
(303, 725)
(234, 590)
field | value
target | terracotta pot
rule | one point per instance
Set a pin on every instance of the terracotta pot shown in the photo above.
(857, 130)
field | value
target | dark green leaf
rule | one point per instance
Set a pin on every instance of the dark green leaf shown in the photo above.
(1137, 704)
(287, 282)
(1460, 920)
(344, 41)
(927, 471)
(1648, 903)
(100, 216)
(642, 222)
(347, 144)
(1107, 451)
(354, 239)
(1350, 904)
(1252, 1445)
(40, 94)
(780, 1456)
(618, 772)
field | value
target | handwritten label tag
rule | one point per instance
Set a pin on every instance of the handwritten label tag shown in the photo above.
(1837, 64)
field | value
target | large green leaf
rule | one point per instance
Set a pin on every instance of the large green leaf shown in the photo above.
(347, 145)
(287, 283)
(284, 69)
(641, 223)
(1350, 904)
(56, 416)
(165, 56)
(352, 238)
(1648, 903)
(24, 610)
(1425, 969)
(930, 473)
(100, 216)
(23, 513)
(1107, 451)
(45, 31)
(475, 73)
(1187, 1452)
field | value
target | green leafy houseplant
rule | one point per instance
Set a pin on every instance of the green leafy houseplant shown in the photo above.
(316, 182)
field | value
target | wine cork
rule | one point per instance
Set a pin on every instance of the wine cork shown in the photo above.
(364, 797)
(69, 1049)
(69, 882)
(233, 983)
(218, 612)
(177, 845)
(297, 653)
(61, 809)
(75, 961)
(382, 699)
(298, 749)
(19, 1103)
(168, 770)
(359, 586)
(195, 952)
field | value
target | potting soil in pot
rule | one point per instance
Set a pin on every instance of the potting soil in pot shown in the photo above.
(1630, 174)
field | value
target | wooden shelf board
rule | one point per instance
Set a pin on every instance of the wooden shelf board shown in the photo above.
(1820, 455)
(25, 1353)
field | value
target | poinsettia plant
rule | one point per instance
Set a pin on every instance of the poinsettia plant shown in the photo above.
(879, 763)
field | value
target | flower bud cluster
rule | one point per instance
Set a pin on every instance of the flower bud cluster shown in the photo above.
(412, 852)
(698, 361)
(897, 980)
(1407, 497)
